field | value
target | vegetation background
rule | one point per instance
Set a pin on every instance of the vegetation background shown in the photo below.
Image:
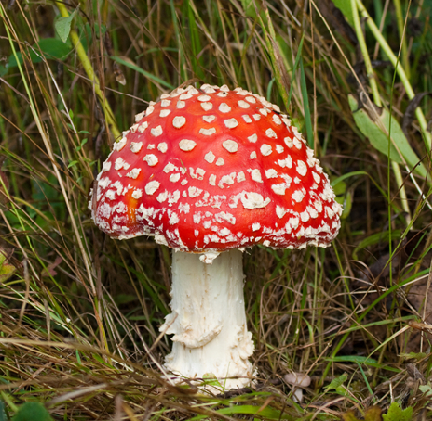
(79, 312)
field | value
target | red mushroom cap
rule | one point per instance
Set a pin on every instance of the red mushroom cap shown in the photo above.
(215, 169)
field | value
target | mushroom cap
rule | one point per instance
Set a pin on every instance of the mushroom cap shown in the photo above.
(214, 169)
(298, 380)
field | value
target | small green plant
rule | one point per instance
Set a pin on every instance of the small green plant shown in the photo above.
(396, 413)
(32, 411)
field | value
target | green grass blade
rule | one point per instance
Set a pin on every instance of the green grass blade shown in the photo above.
(146, 74)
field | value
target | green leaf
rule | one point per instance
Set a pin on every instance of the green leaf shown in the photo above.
(53, 48)
(83, 142)
(6, 269)
(345, 7)
(352, 359)
(137, 318)
(413, 355)
(379, 139)
(336, 382)
(395, 413)
(346, 201)
(211, 380)
(3, 416)
(338, 180)
(63, 25)
(427, 390)
(344, 197)
(249, 7)
(339, 189)
(374, 239)
(32, 411)
(124, 298)
(50, 47)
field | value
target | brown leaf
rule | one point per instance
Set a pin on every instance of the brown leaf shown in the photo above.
(120, 77)
(409, 112)
(337, 20)
(4, 188)
(372, 414)
(50, 268)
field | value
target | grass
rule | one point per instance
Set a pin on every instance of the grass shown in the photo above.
(79, 316)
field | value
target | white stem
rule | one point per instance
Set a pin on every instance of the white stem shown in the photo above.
(297, 395)
(208, 319)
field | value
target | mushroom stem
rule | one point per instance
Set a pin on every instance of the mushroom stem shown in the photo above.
(208, 319)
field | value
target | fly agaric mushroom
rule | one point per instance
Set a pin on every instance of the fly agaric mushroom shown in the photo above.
(208, 172)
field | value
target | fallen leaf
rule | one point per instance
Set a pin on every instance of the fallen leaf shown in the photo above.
(372, 414)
